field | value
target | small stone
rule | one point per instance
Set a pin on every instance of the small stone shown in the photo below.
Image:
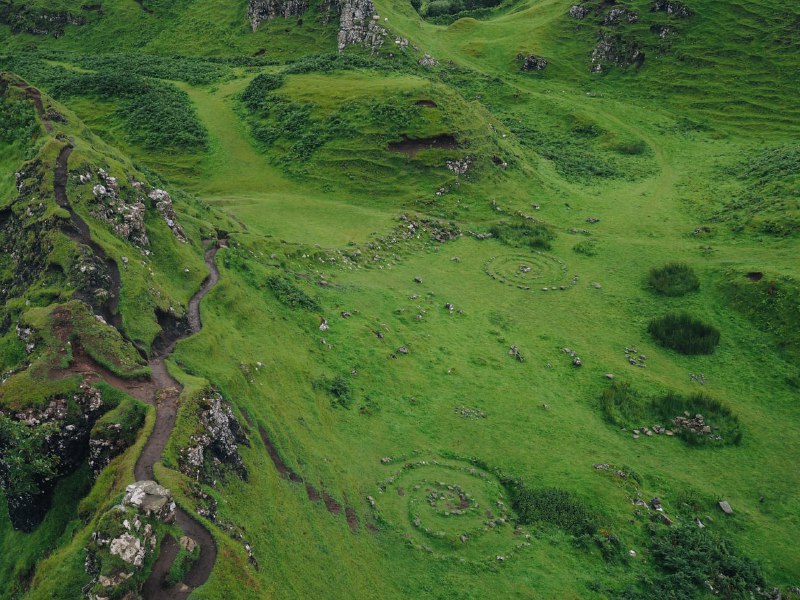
(609, 376)
(726, 508)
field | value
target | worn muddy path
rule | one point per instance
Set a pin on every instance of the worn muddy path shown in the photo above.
(161, 390)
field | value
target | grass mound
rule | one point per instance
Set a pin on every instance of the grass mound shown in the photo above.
(766, 201)
(771, 303)
(684, 334)
(673, 279)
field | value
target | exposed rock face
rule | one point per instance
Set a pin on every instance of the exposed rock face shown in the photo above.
(66, 435)
(672, 7)
(126, 219)
(216, 446)
(428, 61)
(25, 235)
(125, 539)
(166, 210)
(37, 21)
(91, 276)
(266, 10)
(613, 50)
(531, 62)
(616, 15)
(359, 24)
(106, 442)
(578, 12)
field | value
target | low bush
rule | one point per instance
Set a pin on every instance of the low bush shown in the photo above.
(155, 114)
(17, 121)
(623, 406)
(689, 558)
(338, 388)
(673, 279)
(289, 294)
(553, 506)
(534, 235)
(255, 94)
(684, 334)
(586, 247)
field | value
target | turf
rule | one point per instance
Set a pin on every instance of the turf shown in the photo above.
(586, 182)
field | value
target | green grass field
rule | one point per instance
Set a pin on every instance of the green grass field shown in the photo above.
(432, 419)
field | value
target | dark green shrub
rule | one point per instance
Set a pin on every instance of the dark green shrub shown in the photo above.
(553, 506)
(689, 557)
(621, 404)
(673, 279)
(338, 388)
(17, 121)
(586, 247)
(535, 235)
(155, 114)
(289, 294)
(255, 94)
(631, 148)
(685, 334)
(25, 458)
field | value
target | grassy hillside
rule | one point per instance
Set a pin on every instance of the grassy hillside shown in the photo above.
(432, 317)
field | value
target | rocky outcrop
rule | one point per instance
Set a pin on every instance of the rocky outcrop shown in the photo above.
(214, 450)
(672, 7)
(26, 235)
(150, 499)
(37, 21)
(125, 541)
(531, 62)
(359, 25)
(266, 10)
(358, 22)
(578, 12)
(125, 218)
(58, 435)
(427, 61)
(616, 15)
(91, 276)
(167, 212)
(614, 50)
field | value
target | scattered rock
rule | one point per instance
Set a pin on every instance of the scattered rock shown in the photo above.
(428, 61)
(726, 508)
(578, 12)
(671, 7)
(531, 62)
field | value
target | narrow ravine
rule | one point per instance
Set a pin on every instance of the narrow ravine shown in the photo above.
(162, 392)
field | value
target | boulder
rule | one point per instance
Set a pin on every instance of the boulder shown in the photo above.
(726, 508)
(150, 498)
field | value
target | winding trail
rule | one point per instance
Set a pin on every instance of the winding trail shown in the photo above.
(162, 391)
